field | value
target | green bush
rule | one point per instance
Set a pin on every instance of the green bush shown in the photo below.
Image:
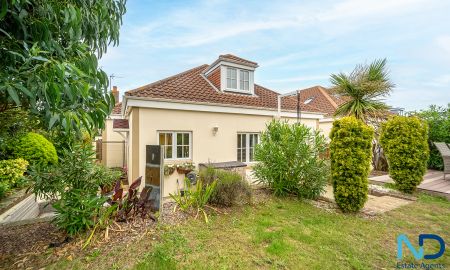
(231, 188)
(11, 174)
(35, 148)
(289, 160)
(14, 123)
(351, 154)
(405, 142)
(438, 119)
(74, 183)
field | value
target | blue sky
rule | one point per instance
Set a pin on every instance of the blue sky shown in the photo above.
(297, 44)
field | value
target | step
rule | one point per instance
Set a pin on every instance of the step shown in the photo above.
(28, 208)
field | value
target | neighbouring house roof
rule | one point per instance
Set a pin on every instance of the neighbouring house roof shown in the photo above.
(117, 108)
(323, 99)
(120, 124)
(193, 86)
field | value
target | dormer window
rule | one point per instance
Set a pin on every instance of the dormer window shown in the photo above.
(237, 79)
(231, 78)
(230, 73)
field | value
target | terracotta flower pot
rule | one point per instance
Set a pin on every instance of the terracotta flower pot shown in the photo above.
(183, 170)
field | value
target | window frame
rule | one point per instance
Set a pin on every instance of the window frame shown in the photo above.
(247, 148)
(242, 81)
(175, 144)
(236, 79)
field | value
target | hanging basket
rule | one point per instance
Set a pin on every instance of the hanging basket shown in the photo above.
(183, 170)
(169, 170)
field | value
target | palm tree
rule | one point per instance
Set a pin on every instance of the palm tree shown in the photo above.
(363, 89)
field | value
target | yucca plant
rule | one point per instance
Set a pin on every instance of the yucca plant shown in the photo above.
(363, 90)
(195, 197)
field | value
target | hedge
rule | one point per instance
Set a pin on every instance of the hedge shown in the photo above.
(405, 142)
(351, 154)
(35, 148)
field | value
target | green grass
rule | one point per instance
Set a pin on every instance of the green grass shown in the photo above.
(285, 234)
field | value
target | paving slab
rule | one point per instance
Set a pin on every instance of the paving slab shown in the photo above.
(375, 204)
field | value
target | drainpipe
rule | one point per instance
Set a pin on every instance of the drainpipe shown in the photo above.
(279, 106)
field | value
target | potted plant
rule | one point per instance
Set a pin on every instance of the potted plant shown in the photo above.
(169, 169)
(185, 168)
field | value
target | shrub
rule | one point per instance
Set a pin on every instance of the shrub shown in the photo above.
(230, 190)
(351, 153)
(74, 184)
(14, 124)
(438, 119)
(35, 148)
(405, 141)
(289, 160)
(11, 174)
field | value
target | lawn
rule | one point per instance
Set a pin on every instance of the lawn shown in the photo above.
(283, 234)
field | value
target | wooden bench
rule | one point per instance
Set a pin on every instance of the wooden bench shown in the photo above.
(445, 153)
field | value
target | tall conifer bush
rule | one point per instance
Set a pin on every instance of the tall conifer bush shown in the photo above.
(351, 153)
(405, 142)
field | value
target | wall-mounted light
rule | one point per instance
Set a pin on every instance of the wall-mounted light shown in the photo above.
(215, 129)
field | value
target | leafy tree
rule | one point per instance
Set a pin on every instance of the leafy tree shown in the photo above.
(363, 88)
(438, 119)
(48, 59)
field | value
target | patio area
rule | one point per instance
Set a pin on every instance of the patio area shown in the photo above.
(433, 183)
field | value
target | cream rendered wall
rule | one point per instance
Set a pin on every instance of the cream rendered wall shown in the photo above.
(112, 152)
(205, 145)
(325, 126)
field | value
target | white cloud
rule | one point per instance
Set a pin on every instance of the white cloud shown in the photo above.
(440, 81)
(299, 79)
(205, 23)
(444, 43)
(357, 9)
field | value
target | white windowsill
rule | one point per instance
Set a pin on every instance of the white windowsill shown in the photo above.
(238, 91)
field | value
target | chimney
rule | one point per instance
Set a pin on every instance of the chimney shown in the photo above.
(115, 93)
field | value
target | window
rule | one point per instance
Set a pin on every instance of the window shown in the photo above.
(238, 79)
(241, 147)
(232, 78)
(246, 146)
(308, 100)
(243, 80)
(177, 145)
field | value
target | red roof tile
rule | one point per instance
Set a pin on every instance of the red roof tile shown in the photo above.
(120, 123)
(323, 99)
(192, 86)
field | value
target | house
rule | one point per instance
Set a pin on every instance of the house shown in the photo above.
(112, 149)
(210, 113)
